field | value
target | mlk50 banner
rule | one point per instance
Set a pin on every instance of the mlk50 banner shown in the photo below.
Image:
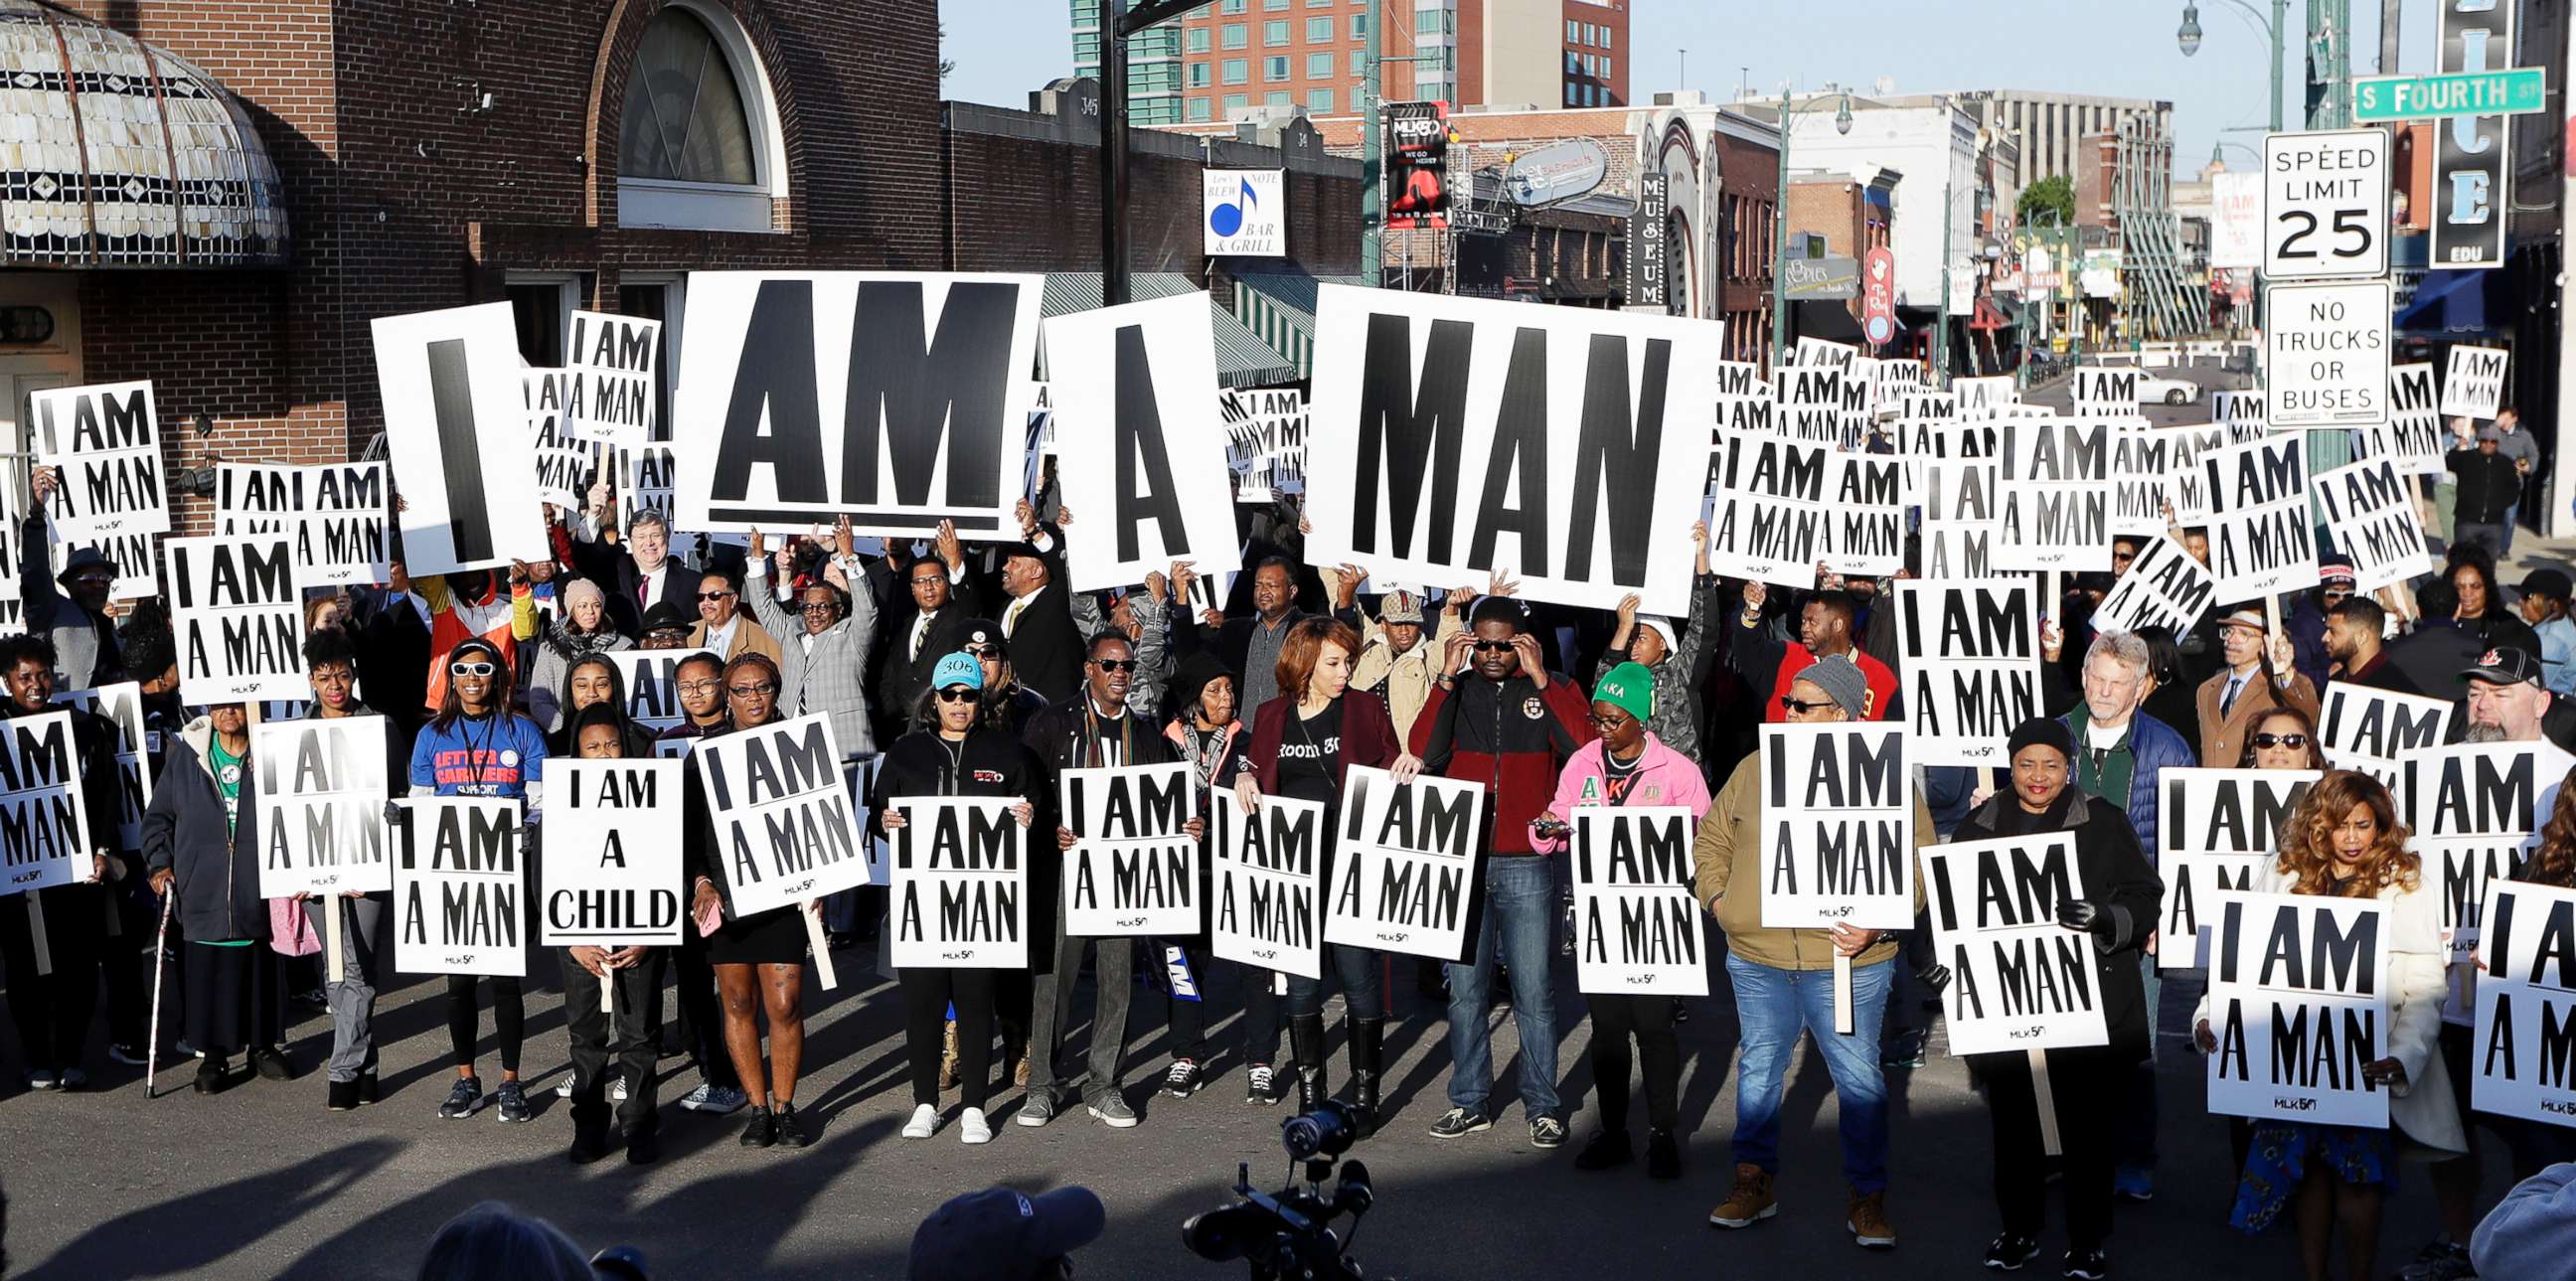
(612, 853)
(899, 399)
(108, 445)
(322, 791)
(1455, 437)
(1135, 450)
(959, 889)
(2525, 1046)
(2020, 981)
(460, 887)
(786, 830)
(456, 429)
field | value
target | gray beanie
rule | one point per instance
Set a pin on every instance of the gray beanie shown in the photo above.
(1842, 682)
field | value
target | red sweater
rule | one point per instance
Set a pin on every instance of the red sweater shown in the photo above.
(1882, 683)
(1512, 737)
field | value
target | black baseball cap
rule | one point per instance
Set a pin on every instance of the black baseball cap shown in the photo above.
(1001, 1235)
(2552, 583)
(665, 616)
(2504, 665)
(984, 631)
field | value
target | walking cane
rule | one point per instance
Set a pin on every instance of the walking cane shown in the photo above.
(152, 1038)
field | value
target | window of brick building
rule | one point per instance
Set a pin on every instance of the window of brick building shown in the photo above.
(1319, 66)
(698, 142)
(1274, 70)
(1198, 40)
(1237, 71)
(1319, 30)
(1319, 101)
(1199, 109)
(1274, 34)
(1235, 35)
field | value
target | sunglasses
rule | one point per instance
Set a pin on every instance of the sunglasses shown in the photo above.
(984, 651)
(1490, 647)
(472, 669)
(1790, 704)
(2295, 742)
(1114, 664)
(715, 596)
(961, 694)
(754, 691)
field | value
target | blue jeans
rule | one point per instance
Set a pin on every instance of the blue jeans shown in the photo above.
(1774, 1007)
(1520, 916)
(2512, 517)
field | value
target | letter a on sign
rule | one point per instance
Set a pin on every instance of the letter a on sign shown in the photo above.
(1133, 446)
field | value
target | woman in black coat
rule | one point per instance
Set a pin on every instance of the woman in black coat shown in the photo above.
(201, 841)
(950, 752)
(2119, 910)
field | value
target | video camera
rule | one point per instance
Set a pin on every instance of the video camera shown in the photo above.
(1289, 1234)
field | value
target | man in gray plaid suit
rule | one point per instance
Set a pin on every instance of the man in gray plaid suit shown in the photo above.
(824, 651)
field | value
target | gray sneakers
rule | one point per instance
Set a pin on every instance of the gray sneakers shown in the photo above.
(1038, 1110)
(1111, 1110)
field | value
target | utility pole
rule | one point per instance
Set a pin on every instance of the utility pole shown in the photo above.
(1941, 304)
(1780, 248)
(1372, 159)
(1117, 22)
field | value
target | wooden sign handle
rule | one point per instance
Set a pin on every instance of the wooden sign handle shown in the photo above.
(36, 934)
(2047, 1102)
(334, 932)
(1845, 1021)
(812, 911)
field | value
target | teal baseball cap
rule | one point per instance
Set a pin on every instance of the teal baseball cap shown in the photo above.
(957, 669)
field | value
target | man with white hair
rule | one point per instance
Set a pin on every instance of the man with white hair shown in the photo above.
(646, 576)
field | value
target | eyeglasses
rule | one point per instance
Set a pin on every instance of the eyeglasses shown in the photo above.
(934, 578)
(818, 607)
(961, 694)
(709, 685)
(1114, 664)
(2295, 742)
(1489, 647)
(754, 691)
(1793, 705)
(471, 669)
(1612, 722)
(715, 596)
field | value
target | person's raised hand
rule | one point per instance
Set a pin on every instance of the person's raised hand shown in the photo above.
(1533, 663)
(952, 552)
(1028, 517)
(1755, 592)
(1628, 611)
(759, 549)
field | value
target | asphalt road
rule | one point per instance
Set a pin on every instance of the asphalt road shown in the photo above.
(262, 1181)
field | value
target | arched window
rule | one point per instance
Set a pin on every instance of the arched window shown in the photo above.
(697, 145)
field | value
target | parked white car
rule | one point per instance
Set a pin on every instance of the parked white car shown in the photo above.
(2172, 391)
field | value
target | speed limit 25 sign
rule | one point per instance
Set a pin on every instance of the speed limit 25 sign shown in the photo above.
(2325, 204)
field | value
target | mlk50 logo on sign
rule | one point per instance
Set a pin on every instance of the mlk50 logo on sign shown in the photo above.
(1246, 213)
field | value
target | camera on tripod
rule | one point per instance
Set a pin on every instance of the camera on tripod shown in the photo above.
(1289, 1233)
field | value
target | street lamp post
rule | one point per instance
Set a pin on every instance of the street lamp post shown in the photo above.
(1780, 226)
(1117, 22)
(2189, 39)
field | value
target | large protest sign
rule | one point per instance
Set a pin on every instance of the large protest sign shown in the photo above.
(322, 792)
(2298, 1002)
(2260, 541)
(1407, 863)
(106, 440)
(13, 605)
(237, 607)
(460, 886)
(615, 359)
(959, 887)
(2219, 829)
(1133, 871)
(456, 429)
(2102, 389)
(1266, 909)
(337, 513)
(2525, 1046)
(1456, 437)
(2056, 481)
(2019, 980)
(897, 398)
(1783, 506)
(2412, 438)
(122, 706)
(1135, 455)
(2371, 730)
(1961, 514)
(2163, 587)
(1971, 662)
(612, 854)
(2473, 386)
(652, 681)
(2474, 808)
(2325, 355)
(2140, 473)
(1638, 926)
(785, 827)
(2370, 514)
(2184, 482)
(1984, 395)
(1837, 827)
(563, 463)
(45, 839)
(1810, 399)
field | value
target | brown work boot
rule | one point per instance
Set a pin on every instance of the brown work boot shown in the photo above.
(948, 1057)
(1020, 1073)
(1751, 1202)
(1867, 1220)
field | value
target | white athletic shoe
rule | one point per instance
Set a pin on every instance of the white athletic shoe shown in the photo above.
(924, 1122)
(972, 1129)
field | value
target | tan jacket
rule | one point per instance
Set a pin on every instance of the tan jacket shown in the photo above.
(1403, 680)
(749, 637)
(2222, 739)
(1730, 841)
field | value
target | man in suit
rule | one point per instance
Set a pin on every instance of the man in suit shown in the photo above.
(646, 576)
(1046, 647)
(723, 629)
(823, 659)
(942, 603)
(2253, 682)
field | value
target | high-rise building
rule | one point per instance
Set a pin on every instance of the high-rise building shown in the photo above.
(2055, 129)
(1233, 56)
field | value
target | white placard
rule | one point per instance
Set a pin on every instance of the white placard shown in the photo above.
(1961, 511)
(1810, 400)
(2104, 389)
(2260, 539)
(2163, 587)
(1562, 446)
(122, 705)
(2474, 808)
(2474, 385)
(785, 828)
(2526, 1011)
(1638, 926)
(2056, 481)
(1970, 652)
(1244, 213)
(959, 887)
(107, 441)
(322, 792)
(2371, 730)
(652, 681)
(2370, 514)
(936, 366)
(2019, 980)
(2412, 437)
(1407, 863)
(1135, 454)
(1266, 909)
(1837, 827)
(2218, 828)
(2236, 221)
(460, 886)
(615, 359)
(2325, 204)
(563, 463)
(237, 611)
(44, 826)
(1133, 872)
(1784, 505)
(336, 511)
(2325, 355)
(612, 854)
(2298, 1000)
(456, 430)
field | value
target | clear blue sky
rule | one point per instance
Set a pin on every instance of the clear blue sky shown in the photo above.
(1004, 48)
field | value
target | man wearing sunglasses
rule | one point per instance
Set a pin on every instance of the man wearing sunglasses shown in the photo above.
(722, 629)
(1826, 629)
(1499, 717)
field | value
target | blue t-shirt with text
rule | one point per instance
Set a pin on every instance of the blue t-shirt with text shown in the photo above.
(495, 756)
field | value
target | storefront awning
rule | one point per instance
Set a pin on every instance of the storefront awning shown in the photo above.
(1242, 359)
(1279, 308)
(2448, 302)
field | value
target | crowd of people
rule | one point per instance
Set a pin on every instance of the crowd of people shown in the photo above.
(972, 670)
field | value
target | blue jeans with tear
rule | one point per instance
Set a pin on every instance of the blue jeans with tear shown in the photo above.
(1775, 1007)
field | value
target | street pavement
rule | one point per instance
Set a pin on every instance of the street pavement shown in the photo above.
(261, 1181)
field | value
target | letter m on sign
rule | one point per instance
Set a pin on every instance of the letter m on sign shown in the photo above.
(1411, 433)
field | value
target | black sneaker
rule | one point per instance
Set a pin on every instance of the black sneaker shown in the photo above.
(1183, 1080)
(271, 1065)
(344, 1096)
(1663, 1155)
(131, 1055)
(2009, 1251)
(2091, 1265)
(210, 1075)
(368, 1091)
(1608, 1150)
(463, 1099)
(513, 1102)
(790, 1134)
(1547, 1132)
(1260, 1085)
(1459, 1122)
(588, 1145)
(760, 1131)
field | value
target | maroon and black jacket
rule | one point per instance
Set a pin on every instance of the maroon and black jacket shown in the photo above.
(1368, 737)
(1511, 736)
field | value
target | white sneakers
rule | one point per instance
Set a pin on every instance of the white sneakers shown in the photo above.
(971, 1128)
(924, 1122)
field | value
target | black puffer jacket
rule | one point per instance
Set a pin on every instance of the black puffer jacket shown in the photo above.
(2117, 879)
(216, 875)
